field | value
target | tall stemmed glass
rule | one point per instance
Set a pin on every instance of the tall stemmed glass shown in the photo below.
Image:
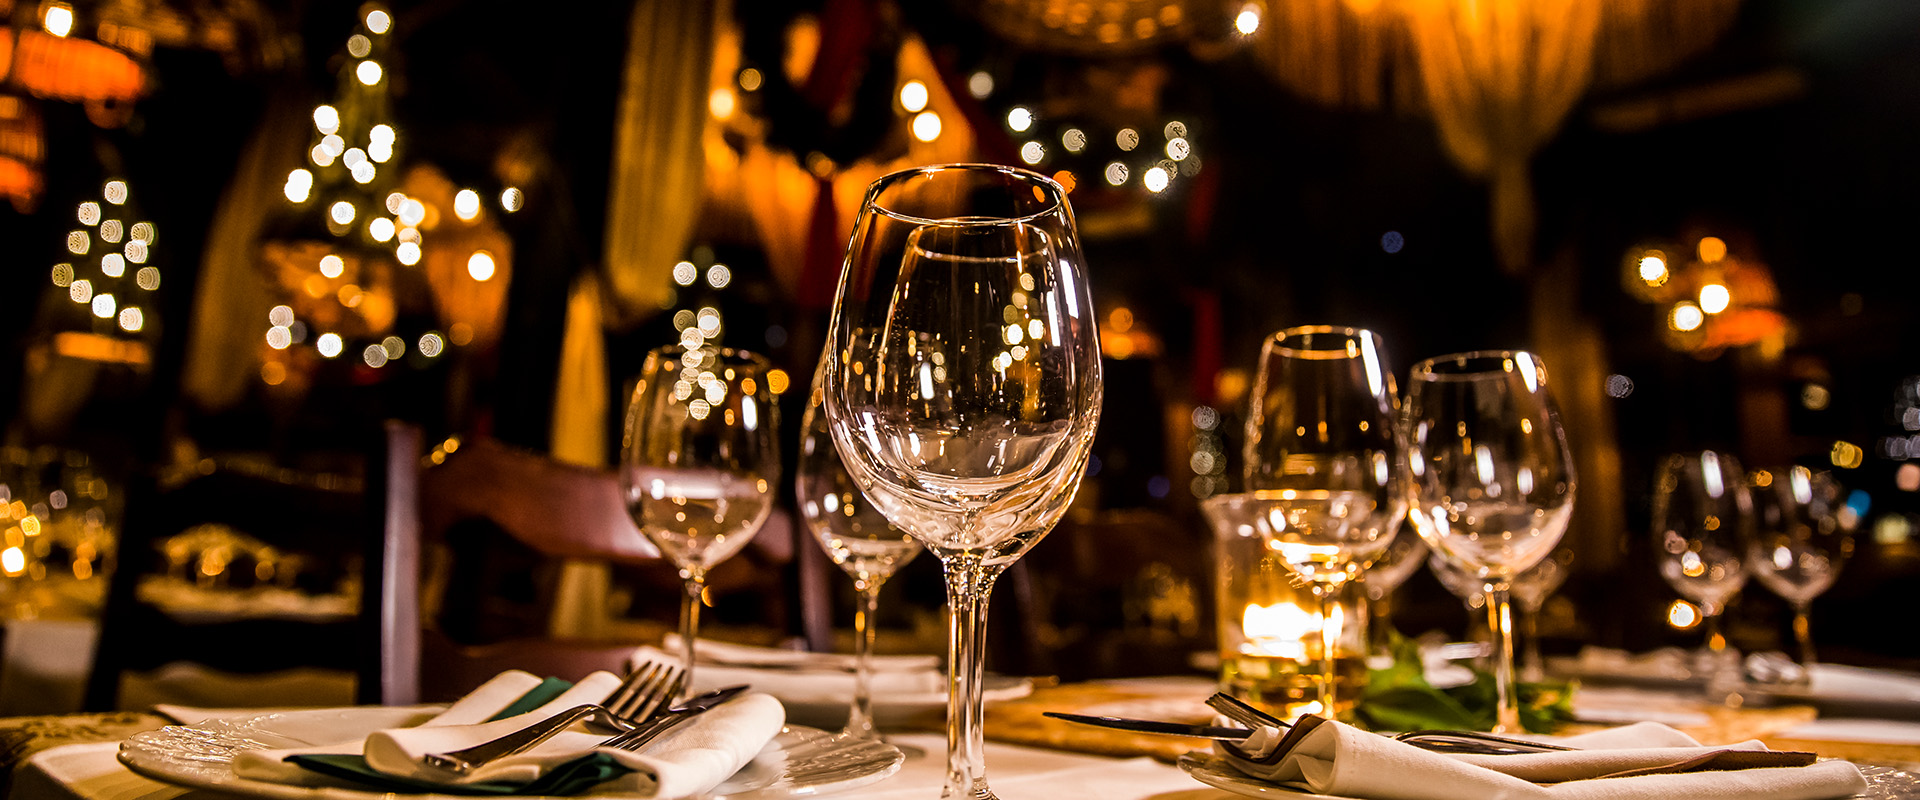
(1492, 480)
(1392, 567)
(855, 535)
(1801, 542)
(1321, 456)
(699, 457)
(964, 387)
(1702, 528)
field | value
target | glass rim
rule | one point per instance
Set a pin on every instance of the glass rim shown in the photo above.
(1433, 369)
(1273, 346)
(1056, 194)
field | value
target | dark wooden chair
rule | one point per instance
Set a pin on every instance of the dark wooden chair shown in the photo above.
(496, 524)
(332, 525)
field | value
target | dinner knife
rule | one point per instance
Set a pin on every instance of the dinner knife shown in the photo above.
(672, 718)
(1155, 726)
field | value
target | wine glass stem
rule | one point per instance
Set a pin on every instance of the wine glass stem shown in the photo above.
(1500, 625)
(695, 584)
(860, 717)
(969, 582)
(1803, 634)
(1532, 668)
(1326, 594)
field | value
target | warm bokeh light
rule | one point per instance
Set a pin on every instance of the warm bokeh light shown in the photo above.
(1815, 397)
(331, 266)
(1116, 173)
(466, 205)
(1019, 118)
(379, 21)
(58, 19)
(374, 355)
(326, 119)
(278, 337)
(1846, 455)
(147, 278)
(750, 79)
(381, 229)
(103, 306)
(926, 126)
(1120, 320)
(329, 344)
(511, 199)
(342, 212)
(115, 192)
(980, 84)
(1686, 317)
(721, 103)
(1712, 249)
(913, 96)
(299, 185)
(480, 265)
(408, 253)
(132, 319)
(685, 273)
(368, 72)
(1714, 298)
(1653, 269)
(430, 344)
(1248, 21)
(1127, 139)
(718, 276)
(1032, 152)
(1178, 148)
(1155, 179)
(1683, 615)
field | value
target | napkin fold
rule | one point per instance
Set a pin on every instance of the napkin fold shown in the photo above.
(500, 693)
(1646, 761)
(689, 760)
(796, 683)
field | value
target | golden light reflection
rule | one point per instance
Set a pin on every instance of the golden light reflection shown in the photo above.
(750, 79)
(1686, 317)
(1019, 118)
(1120, 320)
(466, 205)
(1683, 615)
(1712, 249)
(1247, 22)
(273, 373)
(379, 21)
(1714, 298)
(329, 344)
(58, 19)
(1846, 455)
(926, 126)
(480, 265)
(777, 381)
(13, 561)
(1155, 179)
(368, 72)
(1653, 269)
(721, 103)
(913, 96)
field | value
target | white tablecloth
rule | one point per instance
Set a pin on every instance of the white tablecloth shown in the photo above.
(90, 772)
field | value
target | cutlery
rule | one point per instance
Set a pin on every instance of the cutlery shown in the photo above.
(638, 697)
(672, 718)
(1155, 726)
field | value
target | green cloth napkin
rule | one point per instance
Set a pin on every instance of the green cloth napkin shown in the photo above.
(573, 777)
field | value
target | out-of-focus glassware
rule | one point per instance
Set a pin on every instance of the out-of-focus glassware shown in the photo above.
(855, 535)
(1273, 632)
(1801, 541)
(1702, 529)
(1492, 480)
(1392, 567)
(1323, 463)
(1530, 591)
(699, 458)
(964, 388)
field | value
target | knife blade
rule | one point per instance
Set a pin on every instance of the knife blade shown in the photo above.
(672, 718)
(1155, 726)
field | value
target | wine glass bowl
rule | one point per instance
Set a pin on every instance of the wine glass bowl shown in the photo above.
(1492, 479)
(1801, 540)
(699, 458)
(1703, 528)
(1322, 462)
(963, 386)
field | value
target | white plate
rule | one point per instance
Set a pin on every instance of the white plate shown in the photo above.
(1213, 771)
(799, 761)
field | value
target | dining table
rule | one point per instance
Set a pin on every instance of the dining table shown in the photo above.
(75, 757)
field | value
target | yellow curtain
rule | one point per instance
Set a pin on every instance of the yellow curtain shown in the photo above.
(655, 193)
(580, 398)
(224, 343)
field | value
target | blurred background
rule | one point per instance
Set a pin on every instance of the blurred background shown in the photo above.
(247, 233)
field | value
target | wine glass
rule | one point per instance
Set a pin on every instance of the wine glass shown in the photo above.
(1392, 567)
(855, 535)
(964, 387)
(1530, 590)
(1702, 528)
(699, 457)
(1322, 458)
(1492, 480)
(1801, 542)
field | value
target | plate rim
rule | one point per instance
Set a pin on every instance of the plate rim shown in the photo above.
(226, 781)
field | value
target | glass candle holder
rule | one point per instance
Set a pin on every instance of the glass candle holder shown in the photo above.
(1269, 628)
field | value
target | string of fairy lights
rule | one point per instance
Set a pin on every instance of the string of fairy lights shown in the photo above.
(107, 270)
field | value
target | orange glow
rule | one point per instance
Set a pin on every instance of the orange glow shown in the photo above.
(1682, 615)
(74, 70)
(1712, 249)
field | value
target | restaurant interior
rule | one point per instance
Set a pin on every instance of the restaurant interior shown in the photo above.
(329, 320)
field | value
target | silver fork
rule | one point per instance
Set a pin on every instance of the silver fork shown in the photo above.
(1438, 741)
(642, 694)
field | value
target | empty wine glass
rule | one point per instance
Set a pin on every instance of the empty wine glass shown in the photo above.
(1392, 567)
(1702, 528)
(1801, 541)
(1322, 458)
(1492, 480)
(964, 388)
(855, 535)
(699, 457)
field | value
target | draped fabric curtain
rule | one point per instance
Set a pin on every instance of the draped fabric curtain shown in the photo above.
(1500, 75)
(656, 186)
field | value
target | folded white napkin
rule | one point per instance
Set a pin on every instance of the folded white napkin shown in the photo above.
(481, 703)
(1333, 758)
(688, 760)
(795, 684)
